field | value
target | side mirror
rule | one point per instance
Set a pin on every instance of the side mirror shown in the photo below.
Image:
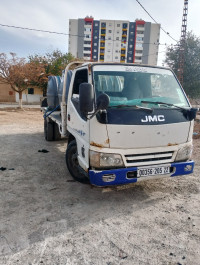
(86, 98)
(191, 114)
(103, 101)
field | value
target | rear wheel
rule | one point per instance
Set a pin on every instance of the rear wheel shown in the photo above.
(48, 130)
(73, 165)
(56, 132)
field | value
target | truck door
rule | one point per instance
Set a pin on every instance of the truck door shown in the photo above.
(77, 125)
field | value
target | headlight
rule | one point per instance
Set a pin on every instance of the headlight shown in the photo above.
(105, 160)
(184, 153)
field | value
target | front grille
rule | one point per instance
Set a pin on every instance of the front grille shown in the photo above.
(149, 158)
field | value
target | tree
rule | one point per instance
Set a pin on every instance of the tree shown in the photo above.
(19, 74)
(53, 64)
(191, 76)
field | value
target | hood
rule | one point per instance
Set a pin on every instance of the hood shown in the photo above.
(140, 129)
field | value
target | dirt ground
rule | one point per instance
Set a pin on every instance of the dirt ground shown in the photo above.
(47, 218)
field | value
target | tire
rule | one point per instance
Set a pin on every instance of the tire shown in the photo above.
(56, 132)
(73, 165)
(48, 130)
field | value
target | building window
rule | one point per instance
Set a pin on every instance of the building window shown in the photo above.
(123, 52)
(117, 38)
(118, 25)
(139, 45)
(95, 50)
(102, 37)
(101, 57)
(103, 31)
(95, 37)
(116, 51)
(110, 31)
(125, 25)
(130, 46)
(116, 57)
(140, 26)
(103, 24)
(109, 38)
(95, 44)
(139, 39)
(30, 91)
(94, 56)
(110, 24)
(96, 24)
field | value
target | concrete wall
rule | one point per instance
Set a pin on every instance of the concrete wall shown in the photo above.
(73, 40)
(153, 49)
(6, 93)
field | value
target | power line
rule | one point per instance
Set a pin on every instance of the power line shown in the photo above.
(68, 34)
(40, 30)
(156, 21)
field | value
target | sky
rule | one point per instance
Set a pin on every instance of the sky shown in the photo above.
(54, 16)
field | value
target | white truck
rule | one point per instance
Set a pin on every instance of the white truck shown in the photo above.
(124, 123)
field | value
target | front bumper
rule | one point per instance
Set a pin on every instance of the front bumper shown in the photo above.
(120, 175)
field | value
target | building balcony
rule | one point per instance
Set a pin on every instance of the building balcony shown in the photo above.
(140, 35)
(86, 45)
(139, 48)
(138, 61)
(87, 52)
(140, 28)
(88, 26)
(87, 39)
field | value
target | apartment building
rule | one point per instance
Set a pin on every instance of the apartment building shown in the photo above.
(114, 40)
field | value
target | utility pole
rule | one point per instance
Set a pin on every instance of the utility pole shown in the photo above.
(182, 42)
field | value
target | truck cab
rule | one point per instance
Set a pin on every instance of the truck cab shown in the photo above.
(126, 123)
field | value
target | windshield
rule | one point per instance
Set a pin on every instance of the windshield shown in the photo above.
(130, 85)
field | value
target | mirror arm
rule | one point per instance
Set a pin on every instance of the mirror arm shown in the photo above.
(93, 114)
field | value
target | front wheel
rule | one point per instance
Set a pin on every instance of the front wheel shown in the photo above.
(73, 165)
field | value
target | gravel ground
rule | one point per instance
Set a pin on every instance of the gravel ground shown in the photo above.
(47, 218)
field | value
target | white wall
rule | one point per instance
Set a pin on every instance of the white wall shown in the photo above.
(26, 98)
(153, 49)
(73, 40)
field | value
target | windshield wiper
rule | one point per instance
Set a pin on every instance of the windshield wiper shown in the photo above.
(189, 113)
(131, 106)
(163, 103)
